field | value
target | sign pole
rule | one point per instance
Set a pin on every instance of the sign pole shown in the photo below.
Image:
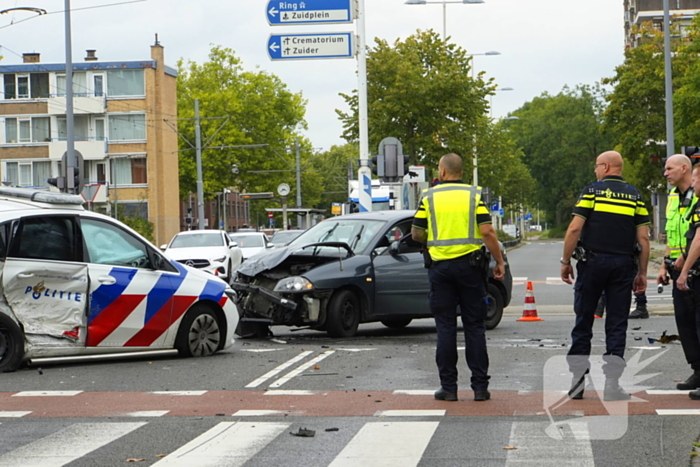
(364, 174)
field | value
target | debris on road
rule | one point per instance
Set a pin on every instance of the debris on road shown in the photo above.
(665, 339)
(333, 429)
(304, 433)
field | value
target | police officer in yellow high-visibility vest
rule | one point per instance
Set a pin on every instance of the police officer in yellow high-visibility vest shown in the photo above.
(454, 222)
(681, 199)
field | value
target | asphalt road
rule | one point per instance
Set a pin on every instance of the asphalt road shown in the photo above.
(373, 392)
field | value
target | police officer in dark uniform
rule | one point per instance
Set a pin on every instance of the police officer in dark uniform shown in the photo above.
(453, 221)
(609, 218)
(688, 281)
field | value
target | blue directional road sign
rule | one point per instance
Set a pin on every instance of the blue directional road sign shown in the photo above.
(310, 46)
(281, 13)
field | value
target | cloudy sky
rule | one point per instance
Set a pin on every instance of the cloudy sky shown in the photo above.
(543, 44)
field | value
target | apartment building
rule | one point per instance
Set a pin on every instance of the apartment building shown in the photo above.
(124, 114)
(642, 11)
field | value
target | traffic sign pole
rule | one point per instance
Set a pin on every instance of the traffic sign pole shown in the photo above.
(285, 13)
(364, 173)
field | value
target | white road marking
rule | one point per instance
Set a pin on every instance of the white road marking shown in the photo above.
(261, 350)
(300, 369)
(279, 369)
(666, 392)
(67, 445)
(228, 443)
(10, 414)
(415, 392)
(179, 393)
(647, 348)
(410, 413)
(147, 413)
(535, 448)
(46, 393)
(520, 279)
(356, 350)
(382, 444)
(678, 411)
(262, 413)
(290, 392)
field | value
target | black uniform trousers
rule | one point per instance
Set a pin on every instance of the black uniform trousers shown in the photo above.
(456, 282)
(686, 310)
(613, 274)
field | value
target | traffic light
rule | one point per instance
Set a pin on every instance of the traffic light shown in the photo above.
(693, 152)
(58, 182)
(266, 195)
(403, 168)
(391, 151)
(377, 165)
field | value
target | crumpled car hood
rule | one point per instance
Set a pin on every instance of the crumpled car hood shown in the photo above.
(270, 258)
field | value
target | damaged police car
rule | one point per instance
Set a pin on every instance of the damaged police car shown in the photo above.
(344, 271)
(75, 282)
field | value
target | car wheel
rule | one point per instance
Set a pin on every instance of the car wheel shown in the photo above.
(494, 307)
(396, 323)
(11, 344)
(343, 314)
(199, 334)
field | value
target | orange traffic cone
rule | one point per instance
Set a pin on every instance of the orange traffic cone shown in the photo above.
(530, 309)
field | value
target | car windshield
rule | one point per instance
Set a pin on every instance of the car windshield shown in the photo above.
(285, 236)
(357, 233)
(248, 241)
(197, 240)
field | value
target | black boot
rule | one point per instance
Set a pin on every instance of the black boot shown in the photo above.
(640, 312)
(693, 382)
(578, 384)
(613, 391)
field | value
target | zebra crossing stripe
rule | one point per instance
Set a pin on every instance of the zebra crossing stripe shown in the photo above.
(46, 393)
(67, 445)
(228, 443)
(382, 444)
(678, 411)
(147, 413)
(301, 368)
(179, 393)
(279, 369)
(410, 413)
(10, 414)
(537, 449)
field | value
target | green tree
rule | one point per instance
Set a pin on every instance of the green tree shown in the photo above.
(561, 137)
(420, 91)
(635, 116)
(334, 166)
(258, 109)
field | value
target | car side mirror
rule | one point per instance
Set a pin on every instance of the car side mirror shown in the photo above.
(232, 245)
(395, 247)
(158, 262)
(270, 245)
(163, 247)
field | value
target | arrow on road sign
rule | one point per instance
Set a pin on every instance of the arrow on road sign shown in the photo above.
(273, 12)
(274, 47)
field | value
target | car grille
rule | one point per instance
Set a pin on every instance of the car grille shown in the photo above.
(195, 263)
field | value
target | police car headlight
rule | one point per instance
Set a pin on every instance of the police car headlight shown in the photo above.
(220, 259)
(294, 284)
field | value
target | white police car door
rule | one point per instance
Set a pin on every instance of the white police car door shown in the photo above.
(130, 300)
(44, 279)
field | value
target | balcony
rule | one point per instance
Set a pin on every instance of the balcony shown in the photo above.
(90, 148)
(83, 104)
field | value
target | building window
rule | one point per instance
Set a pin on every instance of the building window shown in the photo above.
(127, 127)
(80, 128)
(28, 173)
(79, 85)
(34, 85)
(130, 171)
(125, 83)
(27, 130)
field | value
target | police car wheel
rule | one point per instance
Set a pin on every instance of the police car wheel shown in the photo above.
(396, 323)
(343, 314)
(199, 334)
(11, 345)
(494, 307)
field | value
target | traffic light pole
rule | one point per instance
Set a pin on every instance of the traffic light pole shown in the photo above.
(364, 173)
(70, 167)
(670, 137)
(200, 183)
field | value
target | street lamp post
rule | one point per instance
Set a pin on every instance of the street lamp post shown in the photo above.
(444, 10)
(491, 99)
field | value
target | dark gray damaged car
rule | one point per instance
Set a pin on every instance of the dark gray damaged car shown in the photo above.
(344, 271)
